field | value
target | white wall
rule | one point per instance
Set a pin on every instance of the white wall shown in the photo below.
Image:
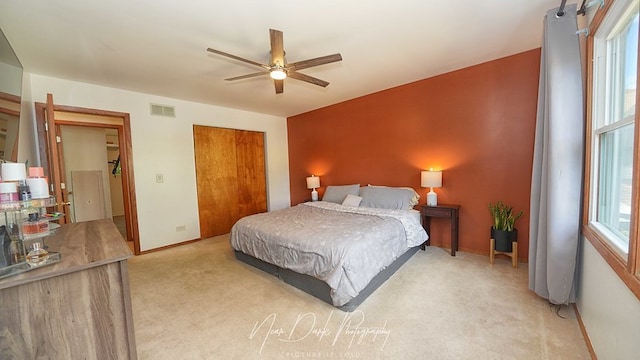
(165, 146)
(609, 310)
(85, 150)
(27, 143)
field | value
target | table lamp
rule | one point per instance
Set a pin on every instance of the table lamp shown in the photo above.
(313, 182)
(431, 179)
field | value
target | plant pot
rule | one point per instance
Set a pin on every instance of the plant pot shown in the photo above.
(504, 239)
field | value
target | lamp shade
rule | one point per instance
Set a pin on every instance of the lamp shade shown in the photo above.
(431, 178)
(313, 182)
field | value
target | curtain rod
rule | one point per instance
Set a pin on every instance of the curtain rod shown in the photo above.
(560, 12)
(582, 11)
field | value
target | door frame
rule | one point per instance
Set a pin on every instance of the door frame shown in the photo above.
(124, 144)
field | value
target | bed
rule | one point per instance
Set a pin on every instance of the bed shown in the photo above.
(340, 249)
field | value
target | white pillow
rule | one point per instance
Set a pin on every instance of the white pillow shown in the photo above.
(352, 200)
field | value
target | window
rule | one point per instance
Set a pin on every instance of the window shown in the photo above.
(613, 133)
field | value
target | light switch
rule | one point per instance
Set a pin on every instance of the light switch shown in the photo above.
(159, 178)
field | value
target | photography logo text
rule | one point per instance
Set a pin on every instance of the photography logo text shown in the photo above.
(332, 330)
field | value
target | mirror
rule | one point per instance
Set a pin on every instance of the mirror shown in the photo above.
(10, 96)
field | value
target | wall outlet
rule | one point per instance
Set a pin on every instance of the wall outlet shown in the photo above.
(159, 178)
(181, 228)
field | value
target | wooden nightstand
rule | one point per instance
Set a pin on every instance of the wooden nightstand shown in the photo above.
(442, 211)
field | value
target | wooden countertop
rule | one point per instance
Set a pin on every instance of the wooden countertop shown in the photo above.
(82, 245)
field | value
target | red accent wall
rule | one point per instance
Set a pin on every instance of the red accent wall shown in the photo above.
(475, 124)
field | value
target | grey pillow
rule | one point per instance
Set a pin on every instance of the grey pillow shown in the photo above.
(337, 193)
(387, 198)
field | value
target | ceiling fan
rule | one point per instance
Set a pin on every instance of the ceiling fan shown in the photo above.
(278, 68)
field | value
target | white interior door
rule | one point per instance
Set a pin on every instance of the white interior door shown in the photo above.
(88, 195)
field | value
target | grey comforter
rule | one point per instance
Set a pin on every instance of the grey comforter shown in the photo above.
(340, 245)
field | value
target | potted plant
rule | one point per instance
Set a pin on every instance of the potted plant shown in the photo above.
(502, 230)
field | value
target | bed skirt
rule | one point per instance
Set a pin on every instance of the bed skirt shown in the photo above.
(319, 288)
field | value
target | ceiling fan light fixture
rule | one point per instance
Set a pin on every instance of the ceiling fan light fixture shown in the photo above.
(277, 67)
(278, 74)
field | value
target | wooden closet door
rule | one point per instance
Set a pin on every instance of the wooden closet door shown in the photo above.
(252, 188)
(230, 177)
(216, 178)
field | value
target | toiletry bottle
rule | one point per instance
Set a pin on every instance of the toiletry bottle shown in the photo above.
(38, 184)
(37, 256)
(16, 251)
(23, 191)
(30, 227)
(8, 192)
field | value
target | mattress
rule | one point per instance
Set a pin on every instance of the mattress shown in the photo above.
(345, 247)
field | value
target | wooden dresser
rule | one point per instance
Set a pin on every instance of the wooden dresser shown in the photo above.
(78, 308)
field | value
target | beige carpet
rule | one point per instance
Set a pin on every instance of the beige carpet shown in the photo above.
(197, 302)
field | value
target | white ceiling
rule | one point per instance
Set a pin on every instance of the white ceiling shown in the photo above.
(159, 46)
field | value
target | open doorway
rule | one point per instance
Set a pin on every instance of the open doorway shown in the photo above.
(94, 175)
(112, 128)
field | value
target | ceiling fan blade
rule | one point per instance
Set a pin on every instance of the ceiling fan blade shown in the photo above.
(307, 78)
(279, 84)
(277, 47)
(247, 76)
(315, 62)
(237, 58)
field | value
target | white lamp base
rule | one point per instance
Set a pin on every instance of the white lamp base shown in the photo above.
(432, 198)
(314, 195)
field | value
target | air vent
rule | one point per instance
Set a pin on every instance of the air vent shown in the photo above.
(163, 110)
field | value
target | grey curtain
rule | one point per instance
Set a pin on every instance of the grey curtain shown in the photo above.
(556, 184)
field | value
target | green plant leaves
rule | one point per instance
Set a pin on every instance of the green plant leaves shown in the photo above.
(503, 217)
